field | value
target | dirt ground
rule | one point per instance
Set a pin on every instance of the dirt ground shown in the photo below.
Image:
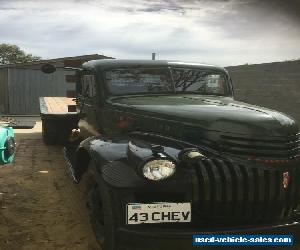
(40, 206)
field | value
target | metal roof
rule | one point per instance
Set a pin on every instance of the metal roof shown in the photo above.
(55, 60)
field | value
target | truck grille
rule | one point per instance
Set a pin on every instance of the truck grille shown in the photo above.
(231, 193)
(275, 149)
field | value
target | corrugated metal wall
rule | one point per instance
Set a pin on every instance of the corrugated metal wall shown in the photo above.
(3, 91)
(27, 85)
(21, 85)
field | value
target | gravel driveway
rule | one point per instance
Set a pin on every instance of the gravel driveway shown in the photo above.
(40, 207)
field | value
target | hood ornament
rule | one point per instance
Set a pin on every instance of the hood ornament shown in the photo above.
(285, 179)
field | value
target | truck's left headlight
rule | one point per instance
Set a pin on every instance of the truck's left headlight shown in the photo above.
(159, 169)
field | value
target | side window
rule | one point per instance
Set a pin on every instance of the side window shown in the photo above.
(88, 84)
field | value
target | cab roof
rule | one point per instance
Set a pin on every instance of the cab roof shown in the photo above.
(105, 64)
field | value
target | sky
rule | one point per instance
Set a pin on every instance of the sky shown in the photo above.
(224, 32)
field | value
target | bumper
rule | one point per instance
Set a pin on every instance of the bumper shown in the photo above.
(164, 239)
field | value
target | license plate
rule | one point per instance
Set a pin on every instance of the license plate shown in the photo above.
(139, 213)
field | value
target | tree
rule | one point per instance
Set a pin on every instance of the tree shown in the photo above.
(13, 54)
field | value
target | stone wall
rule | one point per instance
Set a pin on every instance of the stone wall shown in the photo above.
(272, 85)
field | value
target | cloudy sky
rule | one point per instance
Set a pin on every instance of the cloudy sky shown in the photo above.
(224, 32)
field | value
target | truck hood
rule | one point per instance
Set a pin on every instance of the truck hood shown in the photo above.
(214, 113)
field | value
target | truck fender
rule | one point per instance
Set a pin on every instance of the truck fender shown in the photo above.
(100, 150)
(117, 174)
(110, 160)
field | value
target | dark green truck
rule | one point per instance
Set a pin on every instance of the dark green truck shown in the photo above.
(172, 154)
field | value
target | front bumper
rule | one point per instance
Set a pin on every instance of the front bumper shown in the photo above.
(163, 239)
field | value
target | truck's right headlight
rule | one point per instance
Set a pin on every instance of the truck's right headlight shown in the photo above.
(159, 169)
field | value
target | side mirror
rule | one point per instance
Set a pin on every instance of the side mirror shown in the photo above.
(48, 68)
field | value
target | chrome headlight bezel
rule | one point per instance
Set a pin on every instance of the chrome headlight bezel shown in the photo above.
(158, 169)
(191, 155)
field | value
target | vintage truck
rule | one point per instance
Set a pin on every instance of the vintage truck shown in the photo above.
(172, 154)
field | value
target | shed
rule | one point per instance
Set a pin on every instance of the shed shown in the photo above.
(21, 85)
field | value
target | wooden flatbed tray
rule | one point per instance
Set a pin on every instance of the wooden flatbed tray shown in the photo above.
(56, 105)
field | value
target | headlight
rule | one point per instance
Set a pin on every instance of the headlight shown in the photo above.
(157, 170)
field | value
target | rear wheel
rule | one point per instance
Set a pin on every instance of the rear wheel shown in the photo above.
(57, 131)
(49, 133)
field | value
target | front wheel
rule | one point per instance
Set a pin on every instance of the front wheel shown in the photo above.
(101, 216)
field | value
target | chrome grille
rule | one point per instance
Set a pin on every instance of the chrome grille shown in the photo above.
(272, 148)
(236, 193)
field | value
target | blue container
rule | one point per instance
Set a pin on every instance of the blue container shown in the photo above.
(7, 145)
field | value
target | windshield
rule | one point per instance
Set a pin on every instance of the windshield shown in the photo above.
(165, 80)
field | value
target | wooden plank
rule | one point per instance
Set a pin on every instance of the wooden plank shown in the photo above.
(55, 105)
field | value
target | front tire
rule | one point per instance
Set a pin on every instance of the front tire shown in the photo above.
(101, 216)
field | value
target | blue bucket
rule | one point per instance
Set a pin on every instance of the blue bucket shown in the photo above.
(7, 145)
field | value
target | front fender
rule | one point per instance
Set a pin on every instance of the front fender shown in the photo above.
(111, 159)
(101, 151)
(117, 174)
